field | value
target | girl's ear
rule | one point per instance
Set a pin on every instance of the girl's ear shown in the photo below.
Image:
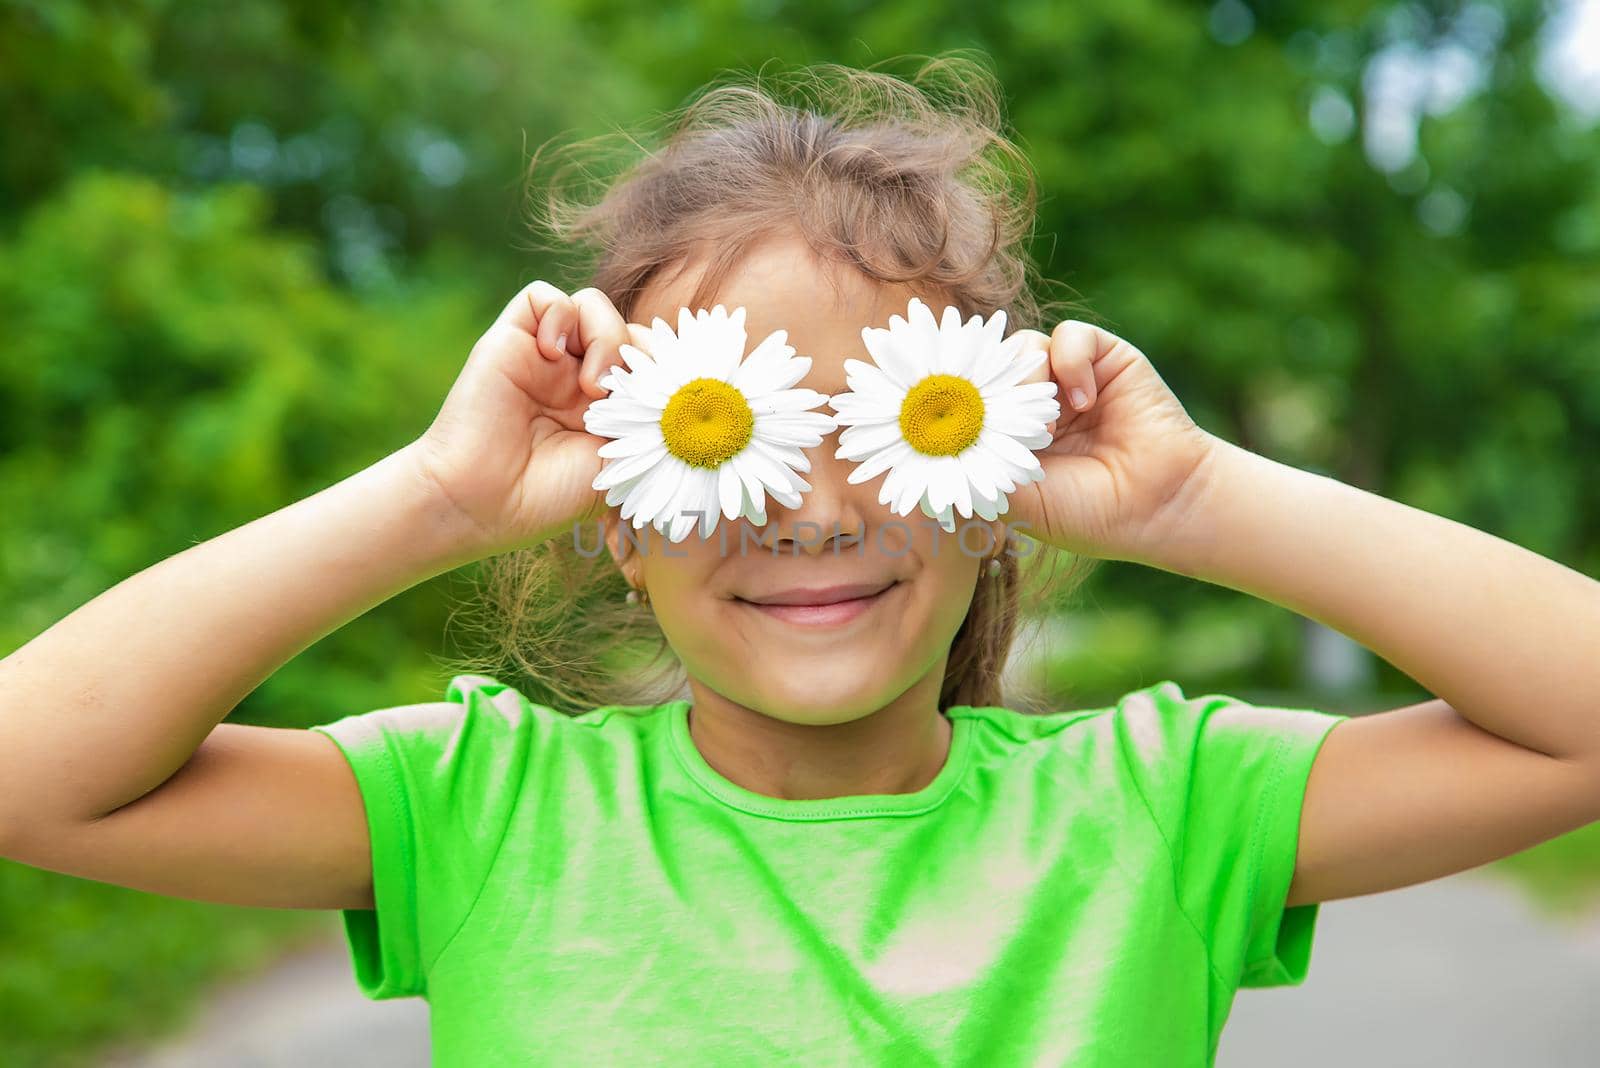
(623, 550)
(1001, 530)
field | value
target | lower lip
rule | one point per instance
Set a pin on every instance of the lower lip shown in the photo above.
(822, 615)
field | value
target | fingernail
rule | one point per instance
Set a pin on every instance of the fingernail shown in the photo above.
(1080, 399)
(561, 343)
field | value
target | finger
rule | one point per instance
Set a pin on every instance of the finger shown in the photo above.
(1034, 340)
(558, 329)
(528, 306)
(601, 333)
(639, 337)
(1074, 348)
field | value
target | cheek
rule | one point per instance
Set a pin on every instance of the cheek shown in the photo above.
(697, 623)
(947, 584)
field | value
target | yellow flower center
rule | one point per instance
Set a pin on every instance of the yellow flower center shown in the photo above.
(941, 415)
(707, 422)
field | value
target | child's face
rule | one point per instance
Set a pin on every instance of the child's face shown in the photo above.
(810, 665)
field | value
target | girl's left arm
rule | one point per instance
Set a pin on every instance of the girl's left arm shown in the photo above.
(1508, 754)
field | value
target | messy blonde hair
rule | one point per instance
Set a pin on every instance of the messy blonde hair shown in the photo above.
(905, 181)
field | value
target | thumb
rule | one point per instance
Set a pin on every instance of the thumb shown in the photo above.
(639, 337)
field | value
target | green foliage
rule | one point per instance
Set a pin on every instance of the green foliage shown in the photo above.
(176, 369)
(1563, 873)
(86, 963)
(244, 249)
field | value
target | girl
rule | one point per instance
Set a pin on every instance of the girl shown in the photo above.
(838, 845)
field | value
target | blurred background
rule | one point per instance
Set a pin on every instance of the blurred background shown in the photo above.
(245, 247)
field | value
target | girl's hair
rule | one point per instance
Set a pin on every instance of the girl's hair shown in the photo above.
(905, 181)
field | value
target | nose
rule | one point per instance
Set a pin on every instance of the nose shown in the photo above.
(830, 517)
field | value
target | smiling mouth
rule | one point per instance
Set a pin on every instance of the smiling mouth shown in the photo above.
(821, 606)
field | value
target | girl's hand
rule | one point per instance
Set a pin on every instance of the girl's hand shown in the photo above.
(508, 448)
(1124, 468)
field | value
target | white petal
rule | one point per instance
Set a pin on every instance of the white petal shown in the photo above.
(963, 489)
(735, 339)
(755, 493)
(879, 462)
(635, 358)
(629, 467)
(622, 407)
(1002, 373)
(649, 385)
(792, 430)
(946, 476)
(857, 441)
(1009, 450)
(684, 512)
(870, 382)
(984, 472)
(820, 423)
(729, 492)
(633, 495)
(948, 349)
(940, 491)
(1038, 409)
(770, 472)
(705, 501)
(616, 416)
(995, 328)
(789, 496)
(913, 487)
(632, 444)
(617, 495)
(662, 487)
(890, 353)
(663, 342)
(904, 485)
(1026, 424)
(889, 491)
(769, 366)
(1030, 391)
(1003, 419)
(786, 455)
(720, 342)
(787, 400)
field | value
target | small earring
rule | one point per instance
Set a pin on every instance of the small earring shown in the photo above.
(637, 595)
(993, 567)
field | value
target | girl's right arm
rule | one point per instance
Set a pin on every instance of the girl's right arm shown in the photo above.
(114, 764)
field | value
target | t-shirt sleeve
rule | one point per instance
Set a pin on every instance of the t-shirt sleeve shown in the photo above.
(1225, 780)
(441, 783)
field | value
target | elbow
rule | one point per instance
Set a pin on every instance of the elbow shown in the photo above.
(11, 837)
(21, 835)
(1589, 783)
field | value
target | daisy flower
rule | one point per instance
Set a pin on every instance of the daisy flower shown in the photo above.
(698, 427)
(946, 413)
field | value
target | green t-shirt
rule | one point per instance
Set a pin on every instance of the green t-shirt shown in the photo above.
(1086, 887)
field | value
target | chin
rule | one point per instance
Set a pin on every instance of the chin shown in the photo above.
(825, 695)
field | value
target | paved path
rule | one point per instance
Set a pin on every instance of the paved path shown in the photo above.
(303, 1013)
(1459, 972)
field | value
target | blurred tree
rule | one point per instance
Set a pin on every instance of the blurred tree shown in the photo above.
(1361, 238)
(175, 369)
(382, 131)
(244, 248)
